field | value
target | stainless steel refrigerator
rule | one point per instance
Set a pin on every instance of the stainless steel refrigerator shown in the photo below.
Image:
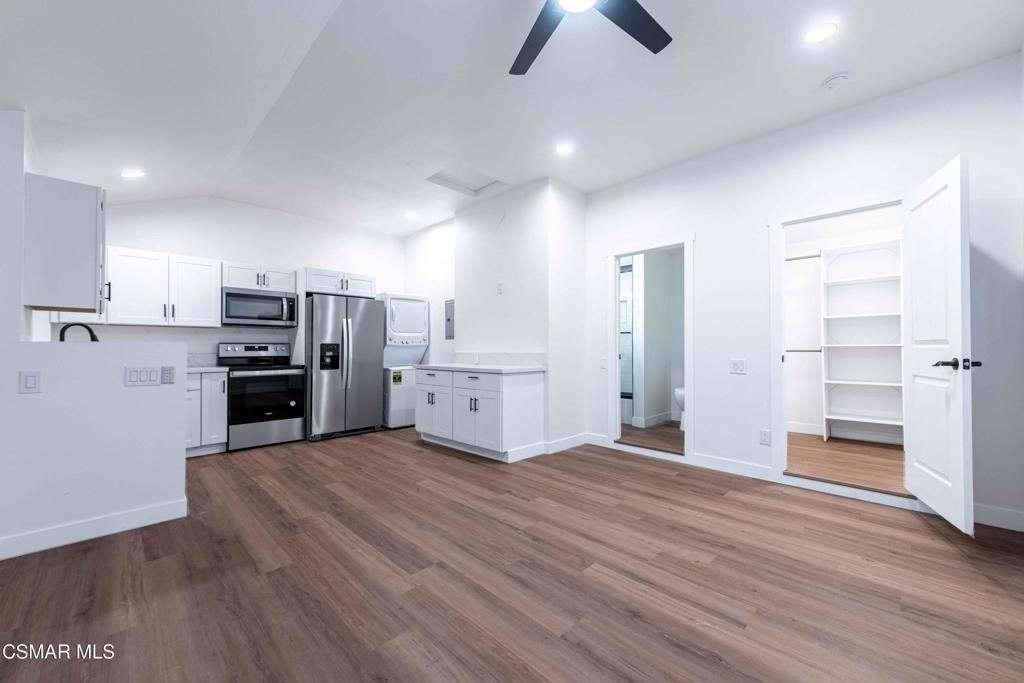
(344, 357)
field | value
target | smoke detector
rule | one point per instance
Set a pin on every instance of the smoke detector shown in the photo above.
(836, 82)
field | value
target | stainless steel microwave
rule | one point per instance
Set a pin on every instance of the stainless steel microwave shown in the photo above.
(258, 308)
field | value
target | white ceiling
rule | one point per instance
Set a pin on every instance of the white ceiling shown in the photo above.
(339, 109)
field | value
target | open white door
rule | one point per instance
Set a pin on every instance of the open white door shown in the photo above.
(937, 347)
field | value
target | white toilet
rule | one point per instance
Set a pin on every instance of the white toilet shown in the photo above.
(679, 393)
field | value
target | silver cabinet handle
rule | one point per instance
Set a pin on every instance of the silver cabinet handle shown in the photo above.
(472, 377)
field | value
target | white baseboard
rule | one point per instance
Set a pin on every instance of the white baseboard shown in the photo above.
(567, 443)
(677, 415)
(814, 428)
(94, 527)
(1004, 518)
(650, 420)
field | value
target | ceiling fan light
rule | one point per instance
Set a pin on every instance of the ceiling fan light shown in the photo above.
(576, 5)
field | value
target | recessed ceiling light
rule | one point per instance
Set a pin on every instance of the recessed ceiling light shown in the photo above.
(133, 173)
(564, 149)
(820, 33)
(412, 215)
(576, 5)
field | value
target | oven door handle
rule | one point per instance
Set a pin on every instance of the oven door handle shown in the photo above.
(267, 373)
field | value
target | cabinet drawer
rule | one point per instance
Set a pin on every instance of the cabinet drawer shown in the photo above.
(477, 380)
(195, 381)
(437, 378)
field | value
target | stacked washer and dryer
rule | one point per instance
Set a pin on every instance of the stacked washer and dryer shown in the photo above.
(406, 338)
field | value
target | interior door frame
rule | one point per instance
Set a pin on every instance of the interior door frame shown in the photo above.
(777, 260)
(614, 428)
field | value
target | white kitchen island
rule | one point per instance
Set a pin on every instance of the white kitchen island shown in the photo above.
(496, 411)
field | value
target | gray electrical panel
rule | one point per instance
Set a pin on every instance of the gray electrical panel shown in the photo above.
(449, 319)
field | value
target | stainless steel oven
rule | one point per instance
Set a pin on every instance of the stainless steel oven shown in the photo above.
(258, 308)
(266, 395)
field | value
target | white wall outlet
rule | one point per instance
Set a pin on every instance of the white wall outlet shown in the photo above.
(28, 382)
(501, 288)
(738, 366)
(766, 437)
(141, 377)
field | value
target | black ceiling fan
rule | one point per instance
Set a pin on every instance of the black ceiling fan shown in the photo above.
(628, 15)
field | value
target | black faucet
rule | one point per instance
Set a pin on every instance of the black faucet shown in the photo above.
(92, 335)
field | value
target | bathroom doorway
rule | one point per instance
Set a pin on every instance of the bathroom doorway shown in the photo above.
(651, 331)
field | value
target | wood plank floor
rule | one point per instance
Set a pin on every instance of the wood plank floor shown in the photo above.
(380, 558)
(872, 466)
(666, 437)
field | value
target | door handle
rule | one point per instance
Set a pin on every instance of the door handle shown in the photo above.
(471, 405)
(110, 291)
(955, 364)
(174, 311)
(165, 311)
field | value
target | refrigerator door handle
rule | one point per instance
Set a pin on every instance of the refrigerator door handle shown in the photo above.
(348, 353)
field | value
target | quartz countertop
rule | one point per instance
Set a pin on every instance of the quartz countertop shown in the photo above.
(483, 368)
(205, 368)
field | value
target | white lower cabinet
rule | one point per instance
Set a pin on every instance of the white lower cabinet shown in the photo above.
(498, 414)
(434, 410)
(194, 418)
(206, 405)
(476, 418)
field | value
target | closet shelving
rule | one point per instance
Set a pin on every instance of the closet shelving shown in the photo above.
(861, 302)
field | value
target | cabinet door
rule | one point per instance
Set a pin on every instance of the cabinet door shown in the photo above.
(279, 280)
(242, 275)
(193, 418)
(360, 285)
(463, 417)
(326, 281)
(194, 291)
(488, 420)
(215, 407)
(443, 410)
(138, 287)
(424, 410)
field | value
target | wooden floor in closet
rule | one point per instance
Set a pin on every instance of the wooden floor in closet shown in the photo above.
(381, 558)
(871, 466)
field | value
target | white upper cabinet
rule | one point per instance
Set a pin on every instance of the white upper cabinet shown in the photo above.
(248, 276)
(279, 280)
(337, 282)
(242, 275)
(323, 281)
(194, 291)
(138, 291)
(359, 285)
(65, 235)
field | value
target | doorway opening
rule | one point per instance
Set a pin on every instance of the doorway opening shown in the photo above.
(651, 327)
(843, 365)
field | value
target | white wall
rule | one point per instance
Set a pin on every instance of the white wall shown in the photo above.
(86, 456)
(430, 272)
(566, 318)
(727, 198)
(502, 244)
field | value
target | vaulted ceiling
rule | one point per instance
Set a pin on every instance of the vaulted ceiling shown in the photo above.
(340, 109)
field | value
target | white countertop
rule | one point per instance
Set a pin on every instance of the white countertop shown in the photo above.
(483, 369)
(195, 370)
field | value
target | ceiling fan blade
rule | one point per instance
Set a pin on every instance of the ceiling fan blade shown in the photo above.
(550, 16)
(632, 18)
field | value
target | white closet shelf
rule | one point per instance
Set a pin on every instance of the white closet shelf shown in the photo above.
(860, 383)
(863, 280)
(869, 419)
(862, 346)
(856, 316)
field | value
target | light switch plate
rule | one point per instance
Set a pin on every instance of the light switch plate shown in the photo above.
(766, 437)
(28, 382)
(167, 374)
(738, 366)
(141, 377)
